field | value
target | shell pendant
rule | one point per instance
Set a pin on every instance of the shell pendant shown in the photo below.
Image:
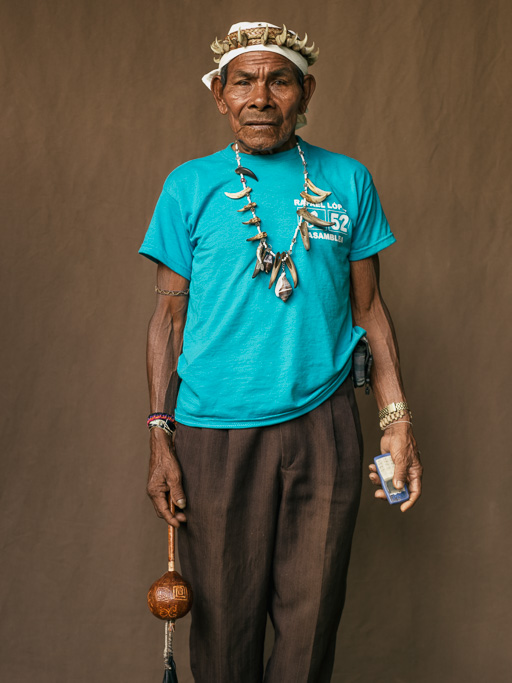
(283, 290)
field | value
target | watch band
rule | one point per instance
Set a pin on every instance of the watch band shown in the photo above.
(393, 408)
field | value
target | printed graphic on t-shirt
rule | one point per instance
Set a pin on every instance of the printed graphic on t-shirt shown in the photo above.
(332, 212)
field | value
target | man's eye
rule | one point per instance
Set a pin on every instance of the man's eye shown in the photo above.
(242, 83)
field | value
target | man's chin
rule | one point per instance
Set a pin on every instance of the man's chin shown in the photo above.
(263, 139)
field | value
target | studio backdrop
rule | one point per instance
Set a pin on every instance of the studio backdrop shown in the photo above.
(101, 99)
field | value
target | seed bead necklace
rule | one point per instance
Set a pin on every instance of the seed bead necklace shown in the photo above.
(266, 260)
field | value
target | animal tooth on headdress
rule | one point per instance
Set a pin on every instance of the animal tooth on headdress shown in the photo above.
(252, 221)
(217, 47)
(316, 189)
(239, 35)
(242, 170)
(264, 37)
(247, 207)
(259, 236)
(291, 40)
(301, 43)
(314, 200)
(304, 233)
(308, 50)
(313, 56)
(245, 39)
(239, 195)
(275, 269)
(314, 220)
(292, 269)
(217, 59)
(225, 45)
(233, 41)
(281, 37)
(284, 290)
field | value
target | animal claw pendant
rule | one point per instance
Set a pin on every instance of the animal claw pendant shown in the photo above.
(312, 219)
(291, 267)
(283, 290)
(242, 170)
(304, 233)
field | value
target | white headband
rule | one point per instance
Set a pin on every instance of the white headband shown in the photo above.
(294, 56)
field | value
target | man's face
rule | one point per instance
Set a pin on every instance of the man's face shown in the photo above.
(262, 99)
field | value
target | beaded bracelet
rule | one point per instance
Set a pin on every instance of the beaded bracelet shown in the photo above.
(162, 421)
(160, 416)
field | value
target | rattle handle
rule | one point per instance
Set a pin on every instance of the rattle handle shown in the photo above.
(171, 539)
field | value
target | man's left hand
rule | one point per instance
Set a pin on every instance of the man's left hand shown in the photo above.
(399, 440)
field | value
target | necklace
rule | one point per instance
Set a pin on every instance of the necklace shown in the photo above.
(268, 261)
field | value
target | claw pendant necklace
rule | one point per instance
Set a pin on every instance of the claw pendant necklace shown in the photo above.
(266, 260)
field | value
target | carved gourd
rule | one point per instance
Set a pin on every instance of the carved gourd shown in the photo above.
(170, 597)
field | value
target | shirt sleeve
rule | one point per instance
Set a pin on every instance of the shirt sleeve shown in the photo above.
(371, 232)
(167, 239)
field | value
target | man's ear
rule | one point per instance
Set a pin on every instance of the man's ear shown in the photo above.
(309, 89)
(217, 90)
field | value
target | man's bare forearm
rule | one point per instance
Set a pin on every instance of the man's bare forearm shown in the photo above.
(371, 313)
(386, 377)
(165, 342)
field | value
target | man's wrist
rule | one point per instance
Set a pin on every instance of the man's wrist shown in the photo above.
(160, 436)
(394, 412)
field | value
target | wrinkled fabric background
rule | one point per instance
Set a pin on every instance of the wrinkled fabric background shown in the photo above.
(101, 99)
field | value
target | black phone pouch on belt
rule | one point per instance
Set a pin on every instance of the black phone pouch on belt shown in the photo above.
(362, 361)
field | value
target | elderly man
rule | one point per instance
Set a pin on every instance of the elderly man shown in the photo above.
(267, 278)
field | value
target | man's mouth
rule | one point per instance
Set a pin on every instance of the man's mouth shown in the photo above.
(260, 123)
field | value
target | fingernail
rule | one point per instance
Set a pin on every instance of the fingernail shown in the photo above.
(182, 503)
(399, 485)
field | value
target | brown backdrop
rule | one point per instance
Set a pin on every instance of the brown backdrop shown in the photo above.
(100, 100)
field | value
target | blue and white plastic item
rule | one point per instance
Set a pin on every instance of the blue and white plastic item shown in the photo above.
(386, 470)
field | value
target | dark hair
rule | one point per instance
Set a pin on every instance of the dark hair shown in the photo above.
(298, 75)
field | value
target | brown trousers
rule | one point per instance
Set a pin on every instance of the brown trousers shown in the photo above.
(271, 512)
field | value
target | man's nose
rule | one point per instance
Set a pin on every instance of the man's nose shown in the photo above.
(261, 96)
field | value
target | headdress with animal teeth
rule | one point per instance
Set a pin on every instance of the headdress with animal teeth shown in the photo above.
(260, 36)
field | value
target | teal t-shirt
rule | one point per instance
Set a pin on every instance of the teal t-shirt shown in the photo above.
(248, 358)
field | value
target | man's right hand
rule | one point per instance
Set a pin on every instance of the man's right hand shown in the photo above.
(164, 476)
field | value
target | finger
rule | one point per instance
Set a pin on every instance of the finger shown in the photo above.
(379, 493)
(176, 488)
(372, 467)
(180, 516)
(400, 475)
(161, 506)
(409, 503)
(375, 479)
(177, 492)
(414, 493)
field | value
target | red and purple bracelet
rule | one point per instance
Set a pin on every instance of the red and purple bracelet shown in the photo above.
(163, 421)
